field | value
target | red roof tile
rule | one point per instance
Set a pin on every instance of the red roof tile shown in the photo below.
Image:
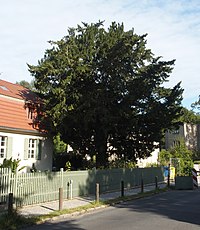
(16, 91)
(13, 113)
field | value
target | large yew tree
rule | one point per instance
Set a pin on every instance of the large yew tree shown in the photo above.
(103, 92)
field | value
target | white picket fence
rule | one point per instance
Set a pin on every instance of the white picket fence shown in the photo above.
(34, 188)
(29, 188)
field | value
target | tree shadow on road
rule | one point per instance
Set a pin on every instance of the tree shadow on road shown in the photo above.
(61, 225)
(183, 206)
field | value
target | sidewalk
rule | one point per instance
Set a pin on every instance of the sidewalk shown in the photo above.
(48, 207)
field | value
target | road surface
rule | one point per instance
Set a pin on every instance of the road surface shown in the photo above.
(174, 210)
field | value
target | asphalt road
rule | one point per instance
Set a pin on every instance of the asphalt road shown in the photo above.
(173, 210)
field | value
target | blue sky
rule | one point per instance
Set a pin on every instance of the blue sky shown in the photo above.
(173, 28)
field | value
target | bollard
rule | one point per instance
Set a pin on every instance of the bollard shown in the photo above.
(10, 203)
(71, 191)
(97, 192)
(60, 199)
(168, 177)
(142, 185)
(156, 182)
(122, 188)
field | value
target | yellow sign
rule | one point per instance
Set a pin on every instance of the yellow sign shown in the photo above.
(172, 173)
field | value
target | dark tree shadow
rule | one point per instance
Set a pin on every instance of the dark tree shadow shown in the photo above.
(62, 224)
(175, 205)
(182, 205)
(110, 180)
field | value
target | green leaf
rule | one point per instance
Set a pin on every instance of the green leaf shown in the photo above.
(103, 92)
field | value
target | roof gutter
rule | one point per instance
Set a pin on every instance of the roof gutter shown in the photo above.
(22, 131)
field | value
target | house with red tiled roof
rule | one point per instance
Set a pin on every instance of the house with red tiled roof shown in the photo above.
(20, 137)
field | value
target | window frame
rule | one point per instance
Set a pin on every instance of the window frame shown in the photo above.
(32, 148)
(3, 148)
(30, 151)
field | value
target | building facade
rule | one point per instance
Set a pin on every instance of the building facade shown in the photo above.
(20, 136)
(190, 133)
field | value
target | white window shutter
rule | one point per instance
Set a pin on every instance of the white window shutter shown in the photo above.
(26, 144)
(9, 147)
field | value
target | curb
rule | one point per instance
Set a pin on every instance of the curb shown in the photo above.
(90, 210)
(73, 214)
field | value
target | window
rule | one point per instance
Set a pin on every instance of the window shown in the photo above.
(3, 144)
(4, 88)
(175, 131)
(32, 148)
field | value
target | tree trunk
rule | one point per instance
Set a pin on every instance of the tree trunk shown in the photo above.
(101, 149)
(102, 158)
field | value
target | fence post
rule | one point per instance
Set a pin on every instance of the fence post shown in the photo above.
(156, 182)
(168, 176)
(10, 203)
(60, 199)
(71, 187)
(61, 173)
(97, 192)
(122, 188)
(15, 185)
(142, 185)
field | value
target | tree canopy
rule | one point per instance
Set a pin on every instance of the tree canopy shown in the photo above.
(179, 156)
(189, 116)
(196, 104)
(26, 84)
(103, 92)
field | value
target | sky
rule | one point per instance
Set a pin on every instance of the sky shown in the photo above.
(173, 28)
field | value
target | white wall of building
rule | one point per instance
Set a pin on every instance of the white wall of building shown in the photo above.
(153, 159)
(18, 152)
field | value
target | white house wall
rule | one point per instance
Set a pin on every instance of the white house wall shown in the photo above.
(153, 159)
(190, 133)
(172, 136)
(18, 152)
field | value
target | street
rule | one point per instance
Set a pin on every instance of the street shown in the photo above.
(170, 210)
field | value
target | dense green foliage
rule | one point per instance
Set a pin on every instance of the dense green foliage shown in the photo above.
(59, 145)
(26, 84)
(189, 116)
(196, 104)
(178, 156)
(13, 164)
(103, 92)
